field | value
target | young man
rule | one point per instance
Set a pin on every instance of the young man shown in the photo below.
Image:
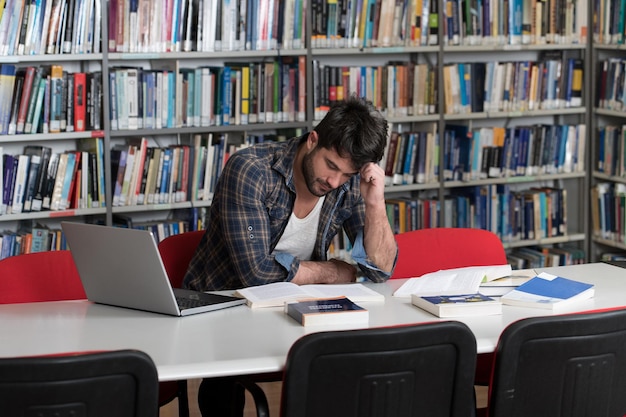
(277, 207)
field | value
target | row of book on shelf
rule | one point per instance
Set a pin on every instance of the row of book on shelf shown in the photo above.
(545, 256)
(232, 94)
(50, 27)
(37, 237)
(387, 23)
(552, 82)
(610, 88)
(608, 21)
(396, 88)
(48, 99)
(610, 148)
(373, 23)
(40, 179)
(412, 157)
(153, 175)
(514, 215)
(497, 152)
(410, 89)
(608, 211)
(31, 239)
(515, 22)
(145, 26)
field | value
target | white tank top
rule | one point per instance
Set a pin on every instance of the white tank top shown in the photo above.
(300, 234)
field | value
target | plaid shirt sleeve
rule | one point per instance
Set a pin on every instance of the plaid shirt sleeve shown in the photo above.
(246, 223)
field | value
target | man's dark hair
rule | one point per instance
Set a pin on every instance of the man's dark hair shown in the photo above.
(355, 129)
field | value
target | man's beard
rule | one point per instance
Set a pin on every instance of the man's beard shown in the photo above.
(315, 186)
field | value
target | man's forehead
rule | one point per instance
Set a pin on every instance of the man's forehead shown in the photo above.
(345, 163)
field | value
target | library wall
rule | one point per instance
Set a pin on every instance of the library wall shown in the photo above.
(495, 118)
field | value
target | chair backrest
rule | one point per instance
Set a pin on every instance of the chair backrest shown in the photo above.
(41, 276)
(429, 250)
(417, 370)
(561, 366)
(120, 383)
(176, 252)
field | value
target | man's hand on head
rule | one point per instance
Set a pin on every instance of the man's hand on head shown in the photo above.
(372, 183)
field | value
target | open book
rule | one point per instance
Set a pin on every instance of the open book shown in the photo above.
(500, 286)
(277, 293)
(452, 281)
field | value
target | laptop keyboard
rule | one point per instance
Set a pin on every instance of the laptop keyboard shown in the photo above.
(186, 303)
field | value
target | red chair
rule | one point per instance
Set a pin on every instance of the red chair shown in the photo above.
(40, 276)
(429, 250)
(176, 253)
(52, 276)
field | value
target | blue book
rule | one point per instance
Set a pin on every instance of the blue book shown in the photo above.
(227, 95)
(327, 311)
(67, 181)
(149, 106)
(458, 305)
(515, 22)
(165, 176)
(113, 100)
(7, 82)
(171, 100)
(549, 292)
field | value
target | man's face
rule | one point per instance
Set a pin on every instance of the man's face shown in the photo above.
(324, 170)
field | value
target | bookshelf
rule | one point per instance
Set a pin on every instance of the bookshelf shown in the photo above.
(608, 124)
(320, 47)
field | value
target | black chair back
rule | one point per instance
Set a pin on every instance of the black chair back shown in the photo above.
(120, 383)
(561, 366)
(418, 370)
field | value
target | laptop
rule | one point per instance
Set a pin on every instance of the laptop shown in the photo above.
(123, 267)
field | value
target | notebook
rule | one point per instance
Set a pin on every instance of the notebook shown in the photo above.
(123, 267)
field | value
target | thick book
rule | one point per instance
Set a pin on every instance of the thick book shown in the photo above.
(277, 293)
(458, 305)
(80, 101)
(327, 311)
(549, 292)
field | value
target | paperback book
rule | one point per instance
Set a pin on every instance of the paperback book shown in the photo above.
(458, 305)
(549, 292)
(327, 311)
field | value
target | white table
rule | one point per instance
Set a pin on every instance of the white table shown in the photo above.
(240, 340)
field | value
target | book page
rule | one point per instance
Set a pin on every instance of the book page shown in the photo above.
(517, 278)
(452, 281)
(355, 292)
(442, 283)
(275, 291)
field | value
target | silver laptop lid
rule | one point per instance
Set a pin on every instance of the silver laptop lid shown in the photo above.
(120, 267)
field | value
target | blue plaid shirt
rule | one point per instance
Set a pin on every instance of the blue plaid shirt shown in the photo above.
(253, 201)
